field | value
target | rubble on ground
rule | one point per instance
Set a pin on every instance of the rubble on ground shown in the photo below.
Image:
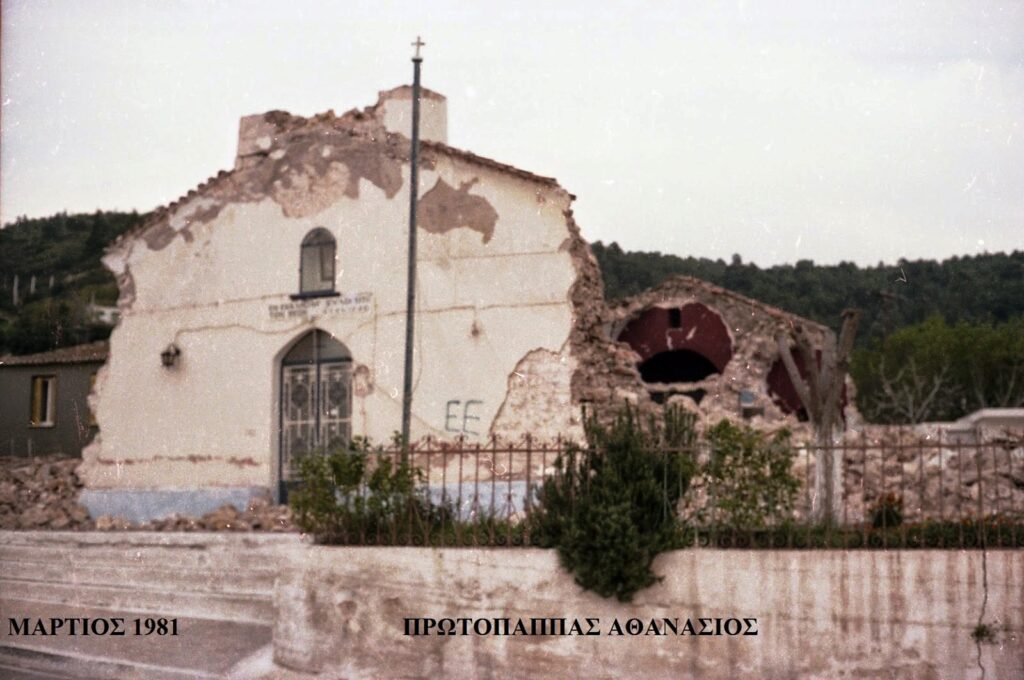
(42, 492)
(261, 515)
(932, 474)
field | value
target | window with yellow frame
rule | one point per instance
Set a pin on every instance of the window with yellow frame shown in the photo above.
(44, 389)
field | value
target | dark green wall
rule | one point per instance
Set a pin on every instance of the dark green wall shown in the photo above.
(71, 430)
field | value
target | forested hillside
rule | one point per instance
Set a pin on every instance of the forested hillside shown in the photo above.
(973, 288)
(65, 250)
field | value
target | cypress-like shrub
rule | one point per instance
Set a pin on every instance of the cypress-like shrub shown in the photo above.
(611, 508)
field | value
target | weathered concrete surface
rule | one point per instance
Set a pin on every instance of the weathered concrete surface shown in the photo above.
(394, 108)
(203, 648)
(227, 577)
(218, 586)
(821, 614)
(897, 614)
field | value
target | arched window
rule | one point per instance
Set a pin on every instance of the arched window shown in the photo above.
(316, 264)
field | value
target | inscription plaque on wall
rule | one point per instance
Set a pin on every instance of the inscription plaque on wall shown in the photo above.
(342, 304)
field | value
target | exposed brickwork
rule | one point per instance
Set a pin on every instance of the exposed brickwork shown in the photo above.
(743, 351)
(606, 376)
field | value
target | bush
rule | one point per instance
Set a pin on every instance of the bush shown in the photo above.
(610, 509)
(356, 495)
(749, 477)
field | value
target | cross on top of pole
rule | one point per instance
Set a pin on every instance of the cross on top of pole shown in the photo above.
(418, 44)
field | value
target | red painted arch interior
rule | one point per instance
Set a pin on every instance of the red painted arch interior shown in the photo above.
(691, 340)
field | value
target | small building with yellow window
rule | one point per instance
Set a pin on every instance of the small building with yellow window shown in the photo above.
(43, 402)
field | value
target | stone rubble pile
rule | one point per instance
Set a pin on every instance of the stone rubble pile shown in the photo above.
(934, 478)
(926, 475)
(42, 492)
(261, 515)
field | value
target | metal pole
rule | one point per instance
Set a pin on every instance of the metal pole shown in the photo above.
(410, 303)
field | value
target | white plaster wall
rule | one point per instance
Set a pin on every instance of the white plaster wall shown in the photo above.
(212, 420)
(397, 115)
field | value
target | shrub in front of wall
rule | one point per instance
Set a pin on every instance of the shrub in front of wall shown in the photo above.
(610, 508)
(749, 477)
(356, 495)
(361, 495)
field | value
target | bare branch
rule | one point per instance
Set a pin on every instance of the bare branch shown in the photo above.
(978, 386)
(1006, 398)
(810, 358)
(847, 334)
(938, 383)
(836, 365)
(794, 373)
(910, 396)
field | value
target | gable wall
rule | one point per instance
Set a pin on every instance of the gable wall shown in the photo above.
(219, 289)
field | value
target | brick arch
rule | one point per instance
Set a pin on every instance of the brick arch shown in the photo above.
(691, 341)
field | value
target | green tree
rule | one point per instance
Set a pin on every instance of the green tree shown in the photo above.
(936, 371)
(749, 476)
(99, 236)
(993, 374)
(356, 491)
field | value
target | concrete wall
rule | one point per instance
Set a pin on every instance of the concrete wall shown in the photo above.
(868, 614)
(214, 275)
(340, 611)
(220, 576)
(71, 429)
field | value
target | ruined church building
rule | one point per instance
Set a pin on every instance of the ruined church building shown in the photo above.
(262, 316)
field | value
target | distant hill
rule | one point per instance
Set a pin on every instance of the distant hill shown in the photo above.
(974, 289)
(62, 253)
(985, 288)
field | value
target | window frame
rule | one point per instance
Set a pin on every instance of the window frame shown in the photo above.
(49, 413)
(92, 413)
(324, 249)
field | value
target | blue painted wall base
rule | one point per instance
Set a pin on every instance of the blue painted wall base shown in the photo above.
(143, 505)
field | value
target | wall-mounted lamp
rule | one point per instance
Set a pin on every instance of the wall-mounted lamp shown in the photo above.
(170, 355)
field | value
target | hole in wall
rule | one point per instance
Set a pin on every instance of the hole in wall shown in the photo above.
(676, 366)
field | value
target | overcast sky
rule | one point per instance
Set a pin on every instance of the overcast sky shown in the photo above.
(776, 130)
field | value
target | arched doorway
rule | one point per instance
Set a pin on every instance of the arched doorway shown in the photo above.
(316, 401)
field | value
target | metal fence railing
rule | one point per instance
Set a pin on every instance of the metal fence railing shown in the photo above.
(904, 492)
